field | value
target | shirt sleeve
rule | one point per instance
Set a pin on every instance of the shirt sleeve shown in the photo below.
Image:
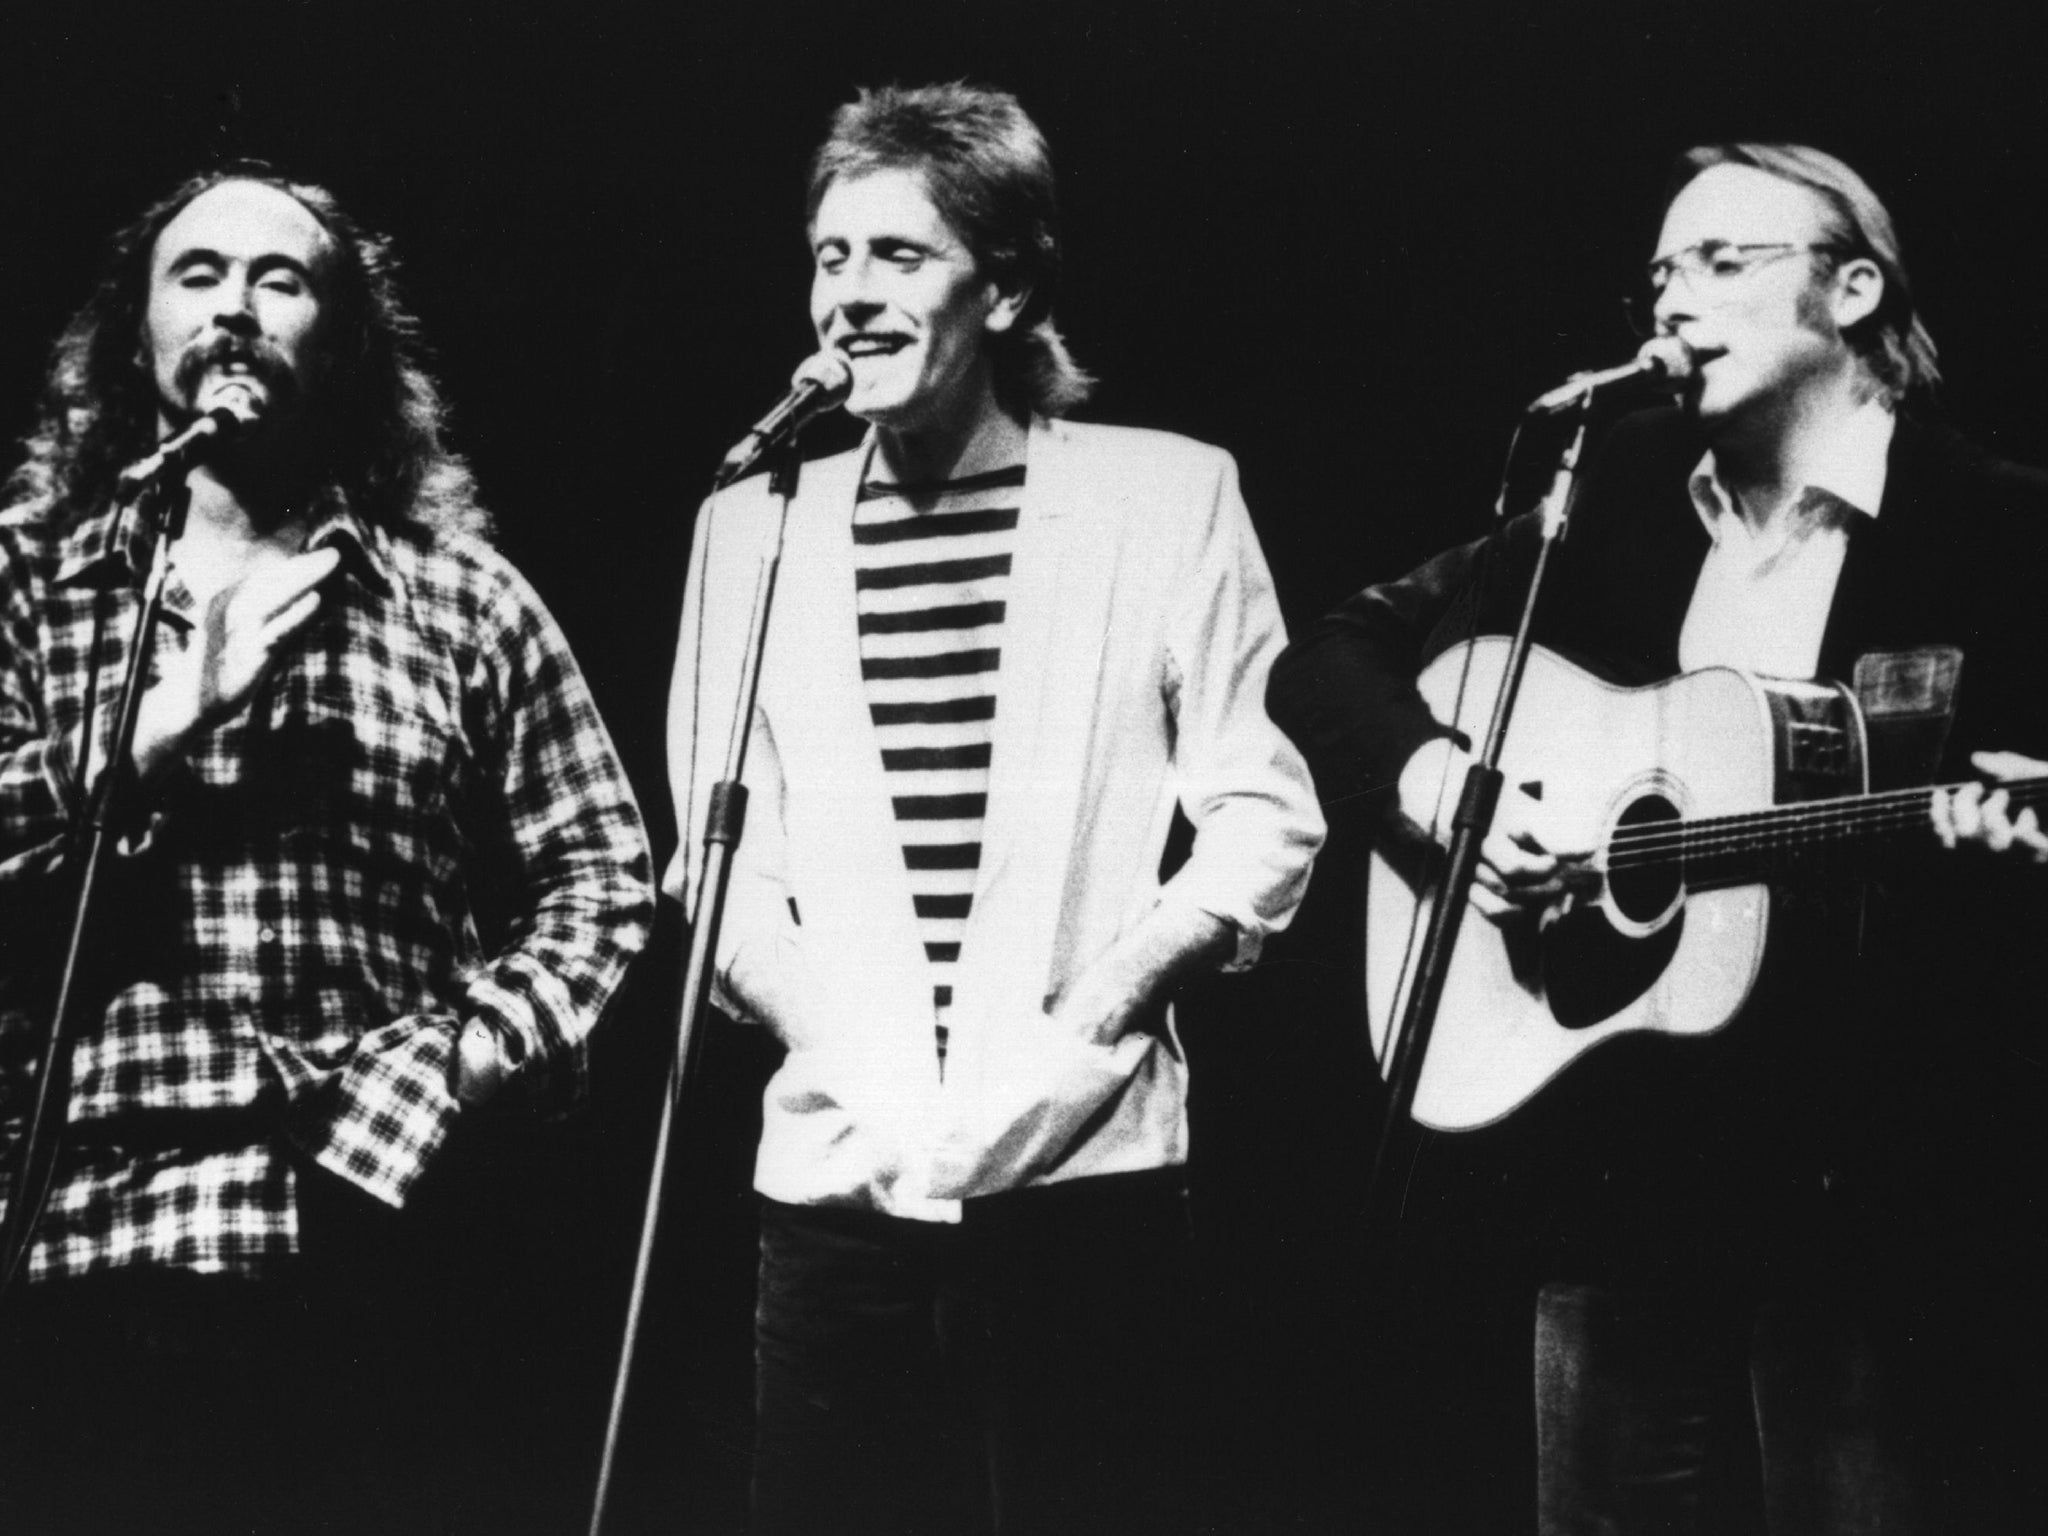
(575, 865)
(39, 789)
(1242, 784)
(41, 800)
(1345, 689)
(35, 788)
(37, 780)
(41, 797)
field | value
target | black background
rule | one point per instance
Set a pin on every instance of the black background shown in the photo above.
(1344, 241)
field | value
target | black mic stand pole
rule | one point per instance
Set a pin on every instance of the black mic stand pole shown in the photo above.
(1470, 823)
(724, 820)
(163, 500)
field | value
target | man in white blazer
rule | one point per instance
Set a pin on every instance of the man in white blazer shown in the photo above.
(1005, 649)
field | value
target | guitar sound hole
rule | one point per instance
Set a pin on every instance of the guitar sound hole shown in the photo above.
(1592, 970)
(1642, 891)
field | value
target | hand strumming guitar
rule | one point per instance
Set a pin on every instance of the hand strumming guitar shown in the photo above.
(1528, 861)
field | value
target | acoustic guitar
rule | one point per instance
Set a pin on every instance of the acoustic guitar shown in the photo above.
(1696, 794)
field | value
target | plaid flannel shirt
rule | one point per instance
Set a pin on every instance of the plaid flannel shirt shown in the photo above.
(417, 821)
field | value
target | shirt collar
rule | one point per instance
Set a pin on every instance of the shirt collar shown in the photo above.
(104, 540)
(361, 547)
(1846, 468)
(108, 540)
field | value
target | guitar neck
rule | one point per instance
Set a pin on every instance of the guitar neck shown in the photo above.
(1740, 849)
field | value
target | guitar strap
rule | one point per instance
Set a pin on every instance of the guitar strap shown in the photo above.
(1908, 699)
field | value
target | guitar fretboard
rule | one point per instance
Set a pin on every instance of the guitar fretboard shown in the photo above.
(1729, 850)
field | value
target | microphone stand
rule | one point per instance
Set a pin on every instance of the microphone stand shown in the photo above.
(1470, 823)
(724, 820)
(161, 497)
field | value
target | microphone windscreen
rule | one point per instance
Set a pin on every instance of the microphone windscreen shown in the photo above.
(228, 422)
(827, 372)
(1668, 358)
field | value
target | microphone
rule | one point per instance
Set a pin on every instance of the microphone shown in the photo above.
(820, 382)
(180, 451)
(1664, 362)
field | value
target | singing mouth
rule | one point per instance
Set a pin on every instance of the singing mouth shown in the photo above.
(230, 362)
(235, 376)
(873, 346)
(234, 381)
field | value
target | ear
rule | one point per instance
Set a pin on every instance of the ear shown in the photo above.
(1005, 306)
(1858, 290)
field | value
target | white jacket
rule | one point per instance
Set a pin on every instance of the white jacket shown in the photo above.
(1140, 628)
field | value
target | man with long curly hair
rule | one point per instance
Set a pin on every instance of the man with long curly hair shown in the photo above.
(379, 858)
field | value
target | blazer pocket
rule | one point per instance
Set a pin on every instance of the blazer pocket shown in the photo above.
(1035, 1104)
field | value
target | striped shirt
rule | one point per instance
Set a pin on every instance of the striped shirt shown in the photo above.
(931, 570)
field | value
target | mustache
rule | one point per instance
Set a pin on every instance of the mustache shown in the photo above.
(264, 365)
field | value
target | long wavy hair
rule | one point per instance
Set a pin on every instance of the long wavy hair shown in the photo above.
(988, 172)
(381, 421)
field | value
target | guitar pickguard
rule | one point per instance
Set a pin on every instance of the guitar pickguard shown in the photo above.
(1593, 973)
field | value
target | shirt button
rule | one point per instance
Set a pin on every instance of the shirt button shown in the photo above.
(267, 934)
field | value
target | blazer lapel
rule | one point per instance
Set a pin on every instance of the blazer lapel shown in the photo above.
(831, 759)
(1882, 596)
(1047, 695)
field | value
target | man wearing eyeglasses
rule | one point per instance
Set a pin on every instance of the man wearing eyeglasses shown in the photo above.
(1735, 1233)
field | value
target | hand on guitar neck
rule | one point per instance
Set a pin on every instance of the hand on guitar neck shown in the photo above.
(1529, 860)
(1974, 815)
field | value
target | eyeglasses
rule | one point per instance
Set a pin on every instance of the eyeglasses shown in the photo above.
(1711, 268)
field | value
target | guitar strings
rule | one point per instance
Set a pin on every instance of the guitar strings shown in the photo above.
(1790, 827)
(1708, 843)
(1894, 805)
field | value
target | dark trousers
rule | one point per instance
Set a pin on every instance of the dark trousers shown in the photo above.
(1024, 1371)
(160, 1402)
(1673, 1414)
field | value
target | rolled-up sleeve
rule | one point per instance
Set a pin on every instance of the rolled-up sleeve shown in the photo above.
(582, 901)
(1242, 784)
